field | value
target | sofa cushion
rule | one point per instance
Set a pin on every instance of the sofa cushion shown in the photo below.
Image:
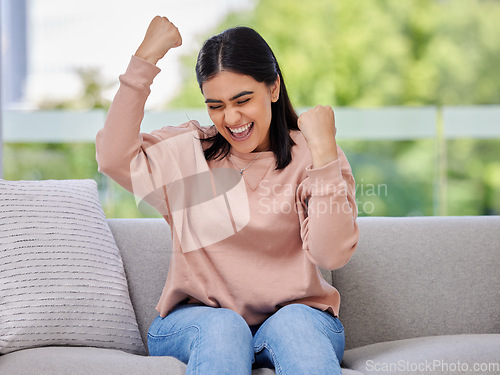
(62, 280)
(454, 354)
(346, 371)
(85, 361)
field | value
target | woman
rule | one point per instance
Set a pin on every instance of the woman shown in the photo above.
(256, 203)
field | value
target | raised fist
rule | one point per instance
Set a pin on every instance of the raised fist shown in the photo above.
(318, 125)
(318, 128)
(161, 36)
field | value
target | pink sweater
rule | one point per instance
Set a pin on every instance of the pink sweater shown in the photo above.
(251, 243)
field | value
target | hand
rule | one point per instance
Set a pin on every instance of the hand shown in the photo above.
(318, 127)
(161, 36)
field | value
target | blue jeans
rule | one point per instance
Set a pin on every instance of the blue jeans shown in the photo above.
(297, 339)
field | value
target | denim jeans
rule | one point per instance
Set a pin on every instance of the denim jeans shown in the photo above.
(295, 340)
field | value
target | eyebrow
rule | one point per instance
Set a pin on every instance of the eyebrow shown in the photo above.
(243, 93)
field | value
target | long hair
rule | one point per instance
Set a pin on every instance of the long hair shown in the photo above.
(242, 50)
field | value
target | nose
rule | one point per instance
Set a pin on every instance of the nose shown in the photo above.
(232, 116)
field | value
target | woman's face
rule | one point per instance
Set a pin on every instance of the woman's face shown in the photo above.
(240, 108)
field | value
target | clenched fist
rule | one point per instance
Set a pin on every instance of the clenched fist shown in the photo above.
(318, 127)
(161, 36)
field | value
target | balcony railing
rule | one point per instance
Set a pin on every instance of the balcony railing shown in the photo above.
(389, 123)
(438, 125)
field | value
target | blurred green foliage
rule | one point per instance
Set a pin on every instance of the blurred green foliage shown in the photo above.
(360, 53)
(42, 161)
(355, 53)
(376, 53)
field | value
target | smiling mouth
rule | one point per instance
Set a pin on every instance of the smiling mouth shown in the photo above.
(241, 133)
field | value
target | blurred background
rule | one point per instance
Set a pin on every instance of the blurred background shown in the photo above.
(415, 86)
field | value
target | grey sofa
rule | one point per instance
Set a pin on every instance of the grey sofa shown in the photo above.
(420, 296)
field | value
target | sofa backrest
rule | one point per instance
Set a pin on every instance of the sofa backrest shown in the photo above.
(409, 277)
(145, 246)
(421, 276)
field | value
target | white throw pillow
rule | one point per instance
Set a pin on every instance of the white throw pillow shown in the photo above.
(62, 280)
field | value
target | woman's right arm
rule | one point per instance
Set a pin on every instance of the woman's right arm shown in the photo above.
(120, 147)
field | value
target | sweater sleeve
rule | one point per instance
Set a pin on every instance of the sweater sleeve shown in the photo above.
(136, 160)
(327, 213)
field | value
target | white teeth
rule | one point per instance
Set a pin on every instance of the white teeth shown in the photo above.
(242, 129)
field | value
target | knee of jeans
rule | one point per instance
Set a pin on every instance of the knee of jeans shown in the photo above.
(299, 312)
(294, 311)
(226, 321)
(154, 327)
(302, 317)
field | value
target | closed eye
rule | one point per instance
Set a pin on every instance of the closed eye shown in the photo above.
(214, 106)
(243, 101)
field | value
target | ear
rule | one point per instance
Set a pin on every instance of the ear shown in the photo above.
(275, 89)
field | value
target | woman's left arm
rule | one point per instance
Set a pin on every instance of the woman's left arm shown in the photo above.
(326, 198)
